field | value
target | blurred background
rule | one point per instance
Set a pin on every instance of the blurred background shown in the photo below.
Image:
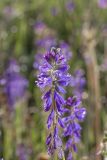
(28, 28)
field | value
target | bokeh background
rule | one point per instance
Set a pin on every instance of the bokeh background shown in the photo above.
(28, 28)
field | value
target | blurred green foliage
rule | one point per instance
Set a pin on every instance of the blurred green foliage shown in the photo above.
(17, 39)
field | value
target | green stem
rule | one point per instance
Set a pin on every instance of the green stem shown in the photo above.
(55, 156)
(63, 157)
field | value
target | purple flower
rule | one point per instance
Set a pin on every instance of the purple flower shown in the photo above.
(70, 157)
(66, 50)
(50, 119)
(22, 152)
(53, 76)
(15, 84)
(102, 3)
(61, 122)
(70, 6)
(78, 83)
(73, 128)
(46, 42)
(39, 27)
(38, 60)
(9, 12)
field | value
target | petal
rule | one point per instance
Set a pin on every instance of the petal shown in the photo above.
(64, 79)
(63, 67)
(74, 148)
(48, 140)
(66, 119)
(58, 98)
(76, 126)
(69, 143)
(50, 150)
(50, 119)
(60, 89)
(61, 122)
(60, 153)
(58, 142)
(59, 108)
(80, 114)
(47, 104)
(70, 156)
(46, 95)
(73, 101)
(68, 130)
(45, 67)
(76, 137)
(55, 132)
(62, 82)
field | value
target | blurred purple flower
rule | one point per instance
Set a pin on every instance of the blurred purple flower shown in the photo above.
(15, 84)
(78, 83)
(104, 65)
(46, 42)
(22, 152)
(39, 27)
(10, 12)
(13, 67)
(70, 157)
(69, 6)
(38, 60)
(102, 3)
(66, 50)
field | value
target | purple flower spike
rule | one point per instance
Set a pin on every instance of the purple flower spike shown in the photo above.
(53, 76)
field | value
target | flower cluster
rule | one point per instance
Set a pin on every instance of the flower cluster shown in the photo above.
(14, 83)
(73, 128)
(63, 45)
(52, 78)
